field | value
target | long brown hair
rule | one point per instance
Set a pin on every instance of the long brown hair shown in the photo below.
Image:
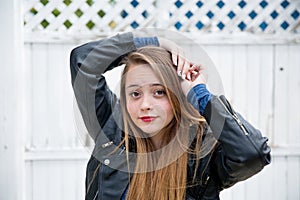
(156, 175)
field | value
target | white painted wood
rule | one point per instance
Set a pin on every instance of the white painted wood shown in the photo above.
(44, 11)
(203, 38)
(293, 87)
(66, 13)
(266, 181)
(57, 154)
(238, 191)
(39, 92)
(11, 105)
(225, 68)
(280, 182)
(58, 180)
(266, 90)
(281, 112)
(239, 94)
(293, 178)
(252, 188)
(28, 191)
(238, 65)
(253, 83)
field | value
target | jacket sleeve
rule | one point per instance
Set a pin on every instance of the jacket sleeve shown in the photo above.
(88, 62)
(242, 150)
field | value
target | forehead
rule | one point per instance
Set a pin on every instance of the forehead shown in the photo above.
(141, 75)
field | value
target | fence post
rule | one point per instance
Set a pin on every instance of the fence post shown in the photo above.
(11, 101)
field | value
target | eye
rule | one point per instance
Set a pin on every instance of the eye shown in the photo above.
(135, 94)
(160, 92)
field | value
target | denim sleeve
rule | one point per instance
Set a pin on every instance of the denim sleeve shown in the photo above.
(199, 96)
(145, 41)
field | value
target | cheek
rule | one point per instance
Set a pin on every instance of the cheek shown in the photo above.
(167, 108)
(131, 108)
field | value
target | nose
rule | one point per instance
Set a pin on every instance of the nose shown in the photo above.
(146, 103)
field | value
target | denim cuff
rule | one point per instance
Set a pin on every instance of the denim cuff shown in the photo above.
(199, 96)
(145, 41)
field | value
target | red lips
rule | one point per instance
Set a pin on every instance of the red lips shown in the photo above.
(147, 118)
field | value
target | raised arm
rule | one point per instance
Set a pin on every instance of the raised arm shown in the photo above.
(88, 63)
(242, 150)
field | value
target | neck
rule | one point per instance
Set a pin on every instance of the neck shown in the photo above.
(157, 140)
(160, 139)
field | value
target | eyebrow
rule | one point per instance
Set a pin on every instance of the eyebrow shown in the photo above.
(151, 85)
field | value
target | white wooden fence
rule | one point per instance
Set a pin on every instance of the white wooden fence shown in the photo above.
(260, 79)
(255, 46)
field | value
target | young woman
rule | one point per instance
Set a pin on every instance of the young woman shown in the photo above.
(167, 137)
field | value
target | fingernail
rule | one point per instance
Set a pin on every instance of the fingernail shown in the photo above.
(183, 76)
(179, 73)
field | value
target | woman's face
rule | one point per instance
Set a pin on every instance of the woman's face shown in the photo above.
(146, 100)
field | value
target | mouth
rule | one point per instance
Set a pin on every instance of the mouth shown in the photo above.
(148, 118)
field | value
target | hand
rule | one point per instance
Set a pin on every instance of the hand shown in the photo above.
(198, 76)
(178, 57)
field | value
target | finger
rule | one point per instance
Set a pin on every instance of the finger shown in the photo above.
(194, 75)
(189, 76)
(195, 68)
(174, 57)
(186, 73)
(180, 66)
(195, 71)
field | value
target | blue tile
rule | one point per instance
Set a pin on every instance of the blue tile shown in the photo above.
(134, 3)
(252, 14)
(189, 14)
(263, 25)
(242, 4)
(220, 4)
(295, 14)
(124, 14)
(199, 4)
(231, 14)
(274, 14)
(170, 14)
(263, 4)
(242, 26)
(199, 25)
(134, 24)
(178, 25)
(220, 25)
(210, 14)
(178, 4)
(285, 4)
(284, 25)
(145, 14)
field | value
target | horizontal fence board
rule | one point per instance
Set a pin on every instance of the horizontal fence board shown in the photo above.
(64, 179)
(207, 39)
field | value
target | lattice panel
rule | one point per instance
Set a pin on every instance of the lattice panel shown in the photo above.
(91, 16)
(87, 15)
(256, 16)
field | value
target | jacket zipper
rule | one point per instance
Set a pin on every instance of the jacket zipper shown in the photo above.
(235, 117)
(96, 195)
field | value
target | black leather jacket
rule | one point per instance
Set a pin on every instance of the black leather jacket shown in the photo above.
(240, 153)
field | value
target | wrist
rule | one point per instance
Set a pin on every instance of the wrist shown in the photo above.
(199, 96)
